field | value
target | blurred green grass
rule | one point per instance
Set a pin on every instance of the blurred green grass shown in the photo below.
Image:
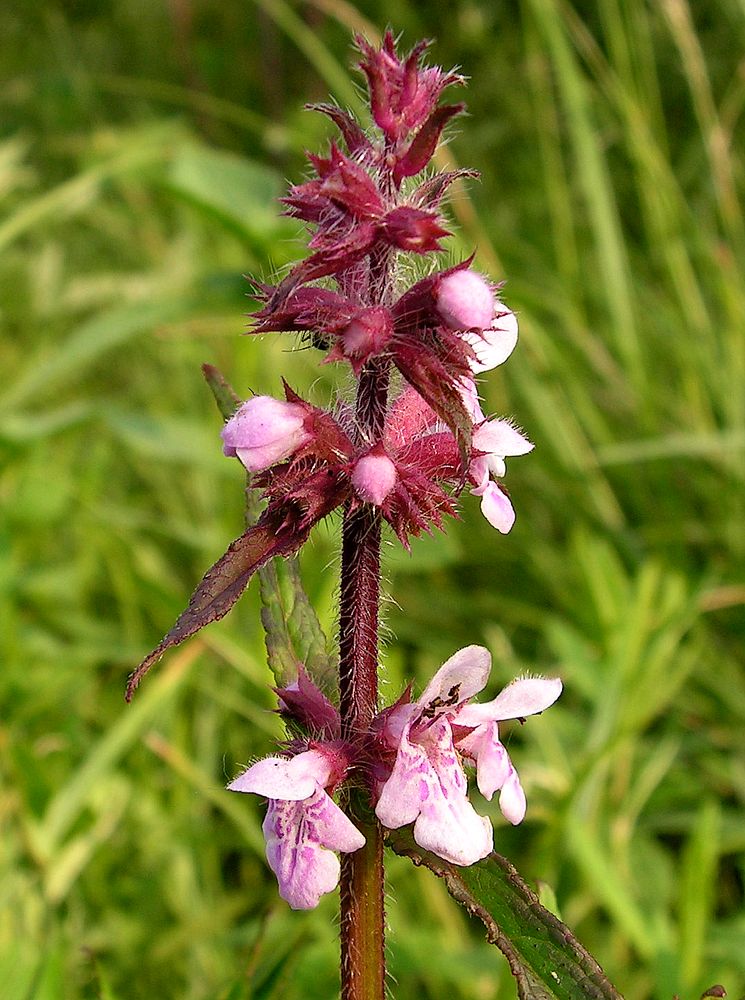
(142, 147)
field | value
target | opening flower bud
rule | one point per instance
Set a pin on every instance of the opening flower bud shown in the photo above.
(265, 431)
(465, 301)
(373, 477)
(367, 334)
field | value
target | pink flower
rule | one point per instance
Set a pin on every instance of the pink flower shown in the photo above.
(426, 785)
(374, 476)
(493, 441)
(465, 300)
(303, 825)
(265, 431)
(494, 769)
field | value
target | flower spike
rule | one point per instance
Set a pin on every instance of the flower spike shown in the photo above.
(401, 454)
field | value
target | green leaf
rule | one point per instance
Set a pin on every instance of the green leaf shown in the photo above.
(226, 398)
(293, 631)
(547, 961)
(241, 194)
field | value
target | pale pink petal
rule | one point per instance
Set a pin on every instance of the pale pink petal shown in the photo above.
(494, 770)
(499, 437)
(282, 778)
(478, 473)
(452, 829)
(265, 431)
(496, 465)
(523, 697)
(394, 721)
(457, 680)
(493, 765)
(448, 825)
(467, 391)
(373, 478)
(295, 832)
(512, 799)
(465, 300)
(330, 825)
(407, 787)
(495, 344)
(428, 787)
(496, 507)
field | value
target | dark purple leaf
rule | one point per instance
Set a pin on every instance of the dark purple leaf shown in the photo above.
(223, 584)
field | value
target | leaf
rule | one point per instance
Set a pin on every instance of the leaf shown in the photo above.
(545, 958)
(293, 632)
(240, 193)
(224, 583)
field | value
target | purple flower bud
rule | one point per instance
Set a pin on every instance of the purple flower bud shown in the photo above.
(367, 334)
(413, 229)
(265, 431)
(374, 476)
(402, 94)
(465, 301)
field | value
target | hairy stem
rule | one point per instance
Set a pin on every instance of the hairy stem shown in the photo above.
(361, 887)
(361, 883)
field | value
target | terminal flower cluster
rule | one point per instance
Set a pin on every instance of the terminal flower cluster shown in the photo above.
(402, 454)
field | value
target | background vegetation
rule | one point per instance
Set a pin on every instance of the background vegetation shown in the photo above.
(143, 145)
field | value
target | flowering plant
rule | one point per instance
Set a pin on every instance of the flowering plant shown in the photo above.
(352, 772)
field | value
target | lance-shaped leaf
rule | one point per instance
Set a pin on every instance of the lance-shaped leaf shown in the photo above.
(293, 631)
(224, 583)
(547, 961)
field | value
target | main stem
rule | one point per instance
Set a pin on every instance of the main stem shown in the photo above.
(361, 884)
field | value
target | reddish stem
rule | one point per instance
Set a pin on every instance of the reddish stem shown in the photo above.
(361, 884)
